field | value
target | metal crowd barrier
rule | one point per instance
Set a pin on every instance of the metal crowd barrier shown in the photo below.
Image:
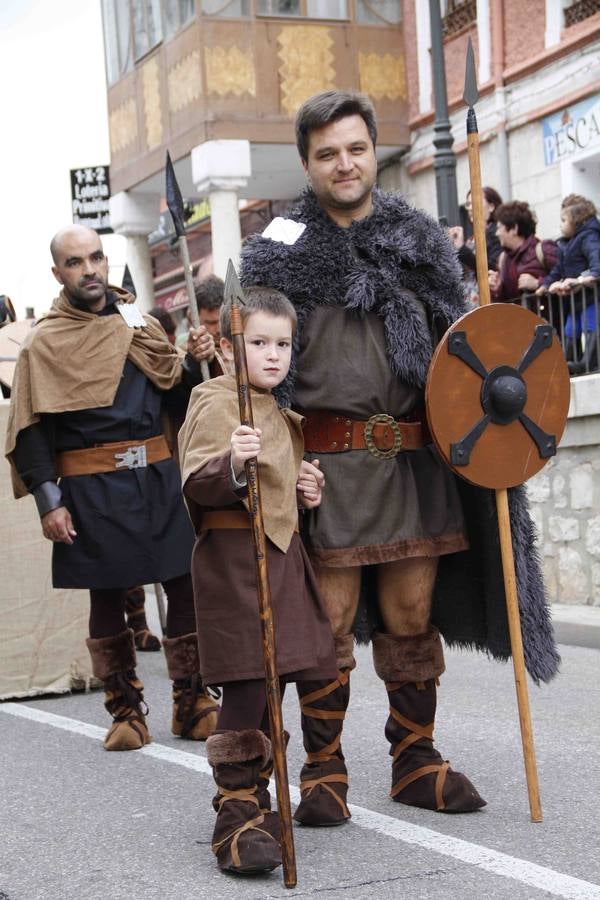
(576, 321)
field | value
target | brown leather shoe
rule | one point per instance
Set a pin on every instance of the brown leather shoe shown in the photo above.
(194, 710)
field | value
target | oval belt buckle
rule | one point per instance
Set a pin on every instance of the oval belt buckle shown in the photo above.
(383, 419)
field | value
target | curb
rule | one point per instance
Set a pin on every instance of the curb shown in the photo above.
(577, 626)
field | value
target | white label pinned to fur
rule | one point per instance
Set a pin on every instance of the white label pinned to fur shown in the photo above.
(286, 231)
(131, 314)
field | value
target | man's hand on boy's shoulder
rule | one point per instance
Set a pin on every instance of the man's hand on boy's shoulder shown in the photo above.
(309, 484)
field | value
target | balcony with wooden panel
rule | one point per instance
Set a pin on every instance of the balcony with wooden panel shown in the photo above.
(227, 76)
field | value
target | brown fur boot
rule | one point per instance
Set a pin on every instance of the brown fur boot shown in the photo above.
(135, 614)
(410, 668)
(113, 662)
(246, 839)
(194, 712)
(324, 777)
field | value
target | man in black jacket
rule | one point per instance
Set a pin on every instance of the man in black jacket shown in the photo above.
(92, 386)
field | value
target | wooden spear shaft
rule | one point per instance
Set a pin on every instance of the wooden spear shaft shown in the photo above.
(506, 548)
(265, 610)
(192, 304)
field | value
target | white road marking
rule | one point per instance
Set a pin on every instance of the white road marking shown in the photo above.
(493, 861)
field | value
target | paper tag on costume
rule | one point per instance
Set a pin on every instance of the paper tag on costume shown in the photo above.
(131, 314)
(286, 231)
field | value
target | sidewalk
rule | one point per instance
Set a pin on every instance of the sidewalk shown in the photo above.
(576, 625)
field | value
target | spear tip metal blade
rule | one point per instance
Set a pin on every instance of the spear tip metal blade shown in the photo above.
(233, 289)
(471, 92)
(174, 198)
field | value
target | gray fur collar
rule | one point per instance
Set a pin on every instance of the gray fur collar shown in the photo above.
(378, 264)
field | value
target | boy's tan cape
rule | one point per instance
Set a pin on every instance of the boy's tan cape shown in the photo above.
(74, 360)
(212, 416)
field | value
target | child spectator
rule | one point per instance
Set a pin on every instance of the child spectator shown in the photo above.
(214, 448)
(525, 260)
(578, 265)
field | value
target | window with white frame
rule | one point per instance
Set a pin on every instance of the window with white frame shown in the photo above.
(176, 14)
(311, 9)
(378, 12)
(118, 46)
(226, 9)
(147, 26)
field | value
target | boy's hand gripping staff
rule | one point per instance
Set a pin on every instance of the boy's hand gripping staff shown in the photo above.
(235, 294)
(497, 398)
(175, 204)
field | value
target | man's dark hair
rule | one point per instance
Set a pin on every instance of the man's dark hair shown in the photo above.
(209, 292)
(259, 299)
(517, 213)
(329, 106)
(164, 317)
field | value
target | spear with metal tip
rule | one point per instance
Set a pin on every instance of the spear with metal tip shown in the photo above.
(235, 295)
(175, 205)
(471, 96)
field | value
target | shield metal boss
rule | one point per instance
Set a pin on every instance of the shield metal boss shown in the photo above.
(497, 395)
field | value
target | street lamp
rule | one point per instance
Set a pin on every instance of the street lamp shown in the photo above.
(444, 160)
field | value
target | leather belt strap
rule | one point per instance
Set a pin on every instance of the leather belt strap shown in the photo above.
(382, 435)
(226, 518)
(112, 457)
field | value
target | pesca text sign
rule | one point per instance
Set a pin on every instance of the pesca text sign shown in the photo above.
(571, 130)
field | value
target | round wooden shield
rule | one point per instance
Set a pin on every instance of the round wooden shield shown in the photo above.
(497, 395)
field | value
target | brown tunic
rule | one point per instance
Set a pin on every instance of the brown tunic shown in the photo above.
(223, 573)
(374, 510)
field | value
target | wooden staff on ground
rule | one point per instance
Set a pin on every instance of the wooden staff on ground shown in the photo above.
(234, 293)
(471, 95)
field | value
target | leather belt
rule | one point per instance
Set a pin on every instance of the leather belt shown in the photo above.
(226, 518)
(382, 435)
(112, 457)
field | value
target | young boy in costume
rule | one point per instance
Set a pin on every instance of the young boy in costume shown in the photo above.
(213, 448)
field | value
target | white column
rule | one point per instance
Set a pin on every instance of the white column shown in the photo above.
(424, 55)
(554, 16)
(135, 216)
(219, 170)
(484, 40)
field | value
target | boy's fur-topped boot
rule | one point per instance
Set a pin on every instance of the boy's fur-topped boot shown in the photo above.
(113, 662)
(135, 613)
(246, 838)
(194, 711)
(410, 668)
(324, 777)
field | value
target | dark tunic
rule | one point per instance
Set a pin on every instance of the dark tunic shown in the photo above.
(343, 368)
(132, 525)
(223, 572)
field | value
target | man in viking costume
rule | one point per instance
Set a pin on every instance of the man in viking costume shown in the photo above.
(376, 284)
(94, 384)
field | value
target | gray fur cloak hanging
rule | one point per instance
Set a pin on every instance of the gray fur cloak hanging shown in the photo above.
(379, 264)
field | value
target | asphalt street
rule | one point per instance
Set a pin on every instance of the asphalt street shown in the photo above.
(78, 823)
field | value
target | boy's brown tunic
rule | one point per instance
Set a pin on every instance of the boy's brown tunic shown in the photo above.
(223, 568)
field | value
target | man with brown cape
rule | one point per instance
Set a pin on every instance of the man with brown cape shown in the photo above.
(376, 284)
(94, 384)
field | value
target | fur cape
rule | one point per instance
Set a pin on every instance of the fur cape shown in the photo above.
(380, 264)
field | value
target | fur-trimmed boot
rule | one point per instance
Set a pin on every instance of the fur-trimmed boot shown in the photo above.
(410, 668)
(135, 614)
(264, 777)
(246, 838)
(113, 662)
(324, 777)
(194, 711)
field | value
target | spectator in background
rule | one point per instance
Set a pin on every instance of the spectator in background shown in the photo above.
(166, 320)
(465, 248)
(578, 265)
(525, 260)
(209, 297)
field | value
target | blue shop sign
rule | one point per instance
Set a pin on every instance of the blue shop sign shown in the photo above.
(572, 129)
